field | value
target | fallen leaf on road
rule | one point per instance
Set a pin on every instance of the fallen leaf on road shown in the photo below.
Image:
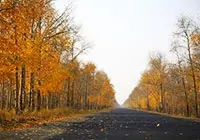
(181, 134)
(126, 135)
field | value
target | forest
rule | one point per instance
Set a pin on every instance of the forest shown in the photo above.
(172, 87)
(40, 66)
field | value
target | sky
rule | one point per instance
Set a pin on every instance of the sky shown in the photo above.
(123, 34)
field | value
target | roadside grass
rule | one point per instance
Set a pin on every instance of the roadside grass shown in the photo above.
(11, 121)
(177, 116)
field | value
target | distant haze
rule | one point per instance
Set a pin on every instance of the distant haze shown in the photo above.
(124, 32)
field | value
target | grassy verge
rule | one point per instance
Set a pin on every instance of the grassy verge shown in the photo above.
(10, 121)
(192, 118)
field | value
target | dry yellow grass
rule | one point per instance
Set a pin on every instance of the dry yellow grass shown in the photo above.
(9, 120)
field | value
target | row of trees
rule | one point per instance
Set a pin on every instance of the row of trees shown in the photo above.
(39, 65)
(172, 87)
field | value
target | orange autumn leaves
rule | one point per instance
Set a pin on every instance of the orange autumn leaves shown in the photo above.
(25, 39)
(39, 60)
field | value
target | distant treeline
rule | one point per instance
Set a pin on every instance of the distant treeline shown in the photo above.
(172, 88)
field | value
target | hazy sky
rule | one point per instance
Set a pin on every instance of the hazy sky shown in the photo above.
(125, 32)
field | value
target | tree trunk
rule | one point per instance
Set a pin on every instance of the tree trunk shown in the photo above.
(38, 100)
(162, 98)
(85, 95)
(32, 92)
(185, 91)
(11, 96)
(148, 105)
(23, 94)
(3, 95)
(68, 92)
(193, 75)
(72, 94)
(186, 98)
(17, 91)
(195, 94)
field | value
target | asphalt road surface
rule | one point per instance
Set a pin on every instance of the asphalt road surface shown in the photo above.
(117, 124)
(127, 124)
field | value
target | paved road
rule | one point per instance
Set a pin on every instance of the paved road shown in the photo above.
(126, 124)
(118, 124)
